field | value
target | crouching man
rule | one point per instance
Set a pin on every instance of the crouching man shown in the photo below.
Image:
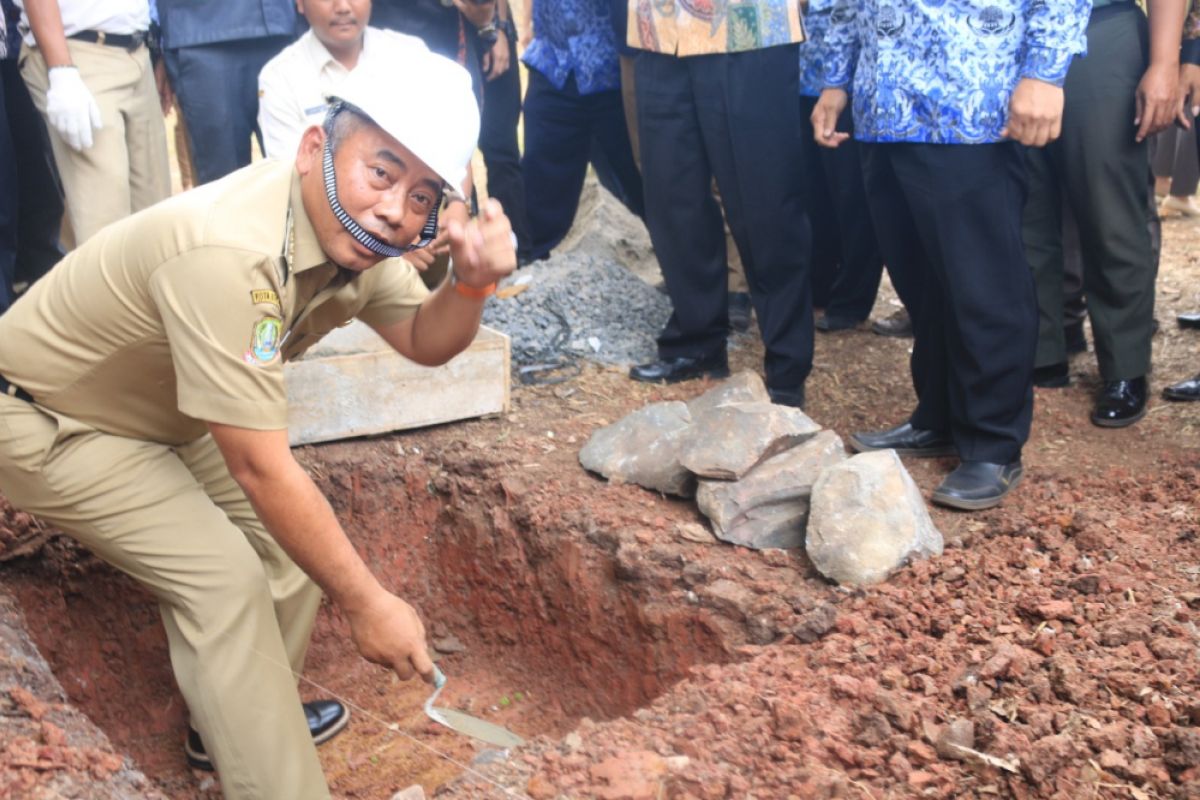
(143, 408)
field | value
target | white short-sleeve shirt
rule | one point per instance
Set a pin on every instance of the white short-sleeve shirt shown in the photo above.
(294, 85)
(110, 16)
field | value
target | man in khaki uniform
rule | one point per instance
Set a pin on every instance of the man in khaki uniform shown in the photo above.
(87, 67)
(143, 408)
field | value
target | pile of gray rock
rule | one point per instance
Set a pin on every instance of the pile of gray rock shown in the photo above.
(767, 476)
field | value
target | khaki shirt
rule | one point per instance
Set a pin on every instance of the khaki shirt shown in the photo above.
(687, 28)
(185, 312)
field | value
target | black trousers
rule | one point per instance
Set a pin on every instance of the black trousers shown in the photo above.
(498, 143)
(31, 202)
(733, 116)
(948, 217)
(564, 130)
(847, 266)
(217, 87)
(1098, 169)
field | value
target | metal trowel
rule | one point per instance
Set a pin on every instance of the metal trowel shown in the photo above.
(465, 724)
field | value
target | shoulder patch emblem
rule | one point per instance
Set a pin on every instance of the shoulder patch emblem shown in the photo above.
(264, 296)
(265, 341)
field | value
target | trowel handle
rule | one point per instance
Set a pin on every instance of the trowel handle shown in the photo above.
(439, 680)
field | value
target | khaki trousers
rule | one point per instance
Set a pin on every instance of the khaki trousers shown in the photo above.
(126, 168)
(237, 611)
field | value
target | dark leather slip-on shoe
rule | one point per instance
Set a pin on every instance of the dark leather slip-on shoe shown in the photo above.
(674, 370)
(905, 440)
(1184, 391)
(831, 324)
(1191, 320)
(1052, 376)
(326, 719)
(976, 485)
(1120, 403)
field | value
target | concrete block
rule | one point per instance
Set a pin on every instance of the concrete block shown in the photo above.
(353, 384)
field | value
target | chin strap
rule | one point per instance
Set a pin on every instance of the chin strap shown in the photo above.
(361, 234)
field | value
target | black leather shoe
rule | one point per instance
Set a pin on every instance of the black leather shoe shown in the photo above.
(788, 397)
(1052, 376)
(326, 719)
(1185, 391)
(1075, 338)
(905, 440)
(1191, 320)
(898, 324)
(740, 311)
(673, 370)
(1120, 403)
(976, 485)
(830, 324)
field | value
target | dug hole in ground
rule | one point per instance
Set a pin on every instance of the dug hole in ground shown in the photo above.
(1051, 651)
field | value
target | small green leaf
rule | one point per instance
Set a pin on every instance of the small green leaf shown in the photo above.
(504, 701)
(518, 696)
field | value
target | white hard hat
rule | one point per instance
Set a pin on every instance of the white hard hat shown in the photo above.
(421, 99)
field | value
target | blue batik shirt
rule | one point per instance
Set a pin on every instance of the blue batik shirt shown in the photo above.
(943, 71)
(812, 65)
(575, 36)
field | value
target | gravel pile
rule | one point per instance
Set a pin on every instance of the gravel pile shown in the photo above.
(579, 305)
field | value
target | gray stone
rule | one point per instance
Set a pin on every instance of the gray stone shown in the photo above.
(643, 448)
(449, 645)
(744, 387)
(868, 518)
(769, 506)
(728, 441)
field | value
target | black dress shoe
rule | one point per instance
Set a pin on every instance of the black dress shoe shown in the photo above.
(898, 324)
(1120, 403)
(1191, 320)
(326, 719)
(905, 440)
(829, 324)
(1185, 391)
(740, 311)
(788, 397)
(1075, 338)
(673, 370)
(976, 485)
(1052, 376)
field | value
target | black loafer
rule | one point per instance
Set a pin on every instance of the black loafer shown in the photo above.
(326, 719)
(1052, 376)
(976, 485)
(905, 440)
(1184, 391)
(898, 324)
(1191, 320)
(827, 323)
(740, 311)
(1120, 403)
(673, 370)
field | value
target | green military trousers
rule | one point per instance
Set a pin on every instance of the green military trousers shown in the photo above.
(237, 611)
(1098, 169)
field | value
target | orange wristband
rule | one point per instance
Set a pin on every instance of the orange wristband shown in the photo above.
(471, 291)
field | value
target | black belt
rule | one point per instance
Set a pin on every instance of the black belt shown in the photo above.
(129, 41)
(13, 390)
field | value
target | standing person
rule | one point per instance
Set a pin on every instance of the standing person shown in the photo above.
(944, 165)
(1189, 89)
(837, 197)
(573, 114)
(1114, 101)
(144, 410)
(716, 96)
(1176, 171)
(31, 206)
(501, 116)
(87, 67)
(213, 51)
(293, 87)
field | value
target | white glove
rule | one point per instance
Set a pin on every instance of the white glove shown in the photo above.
(71, 109)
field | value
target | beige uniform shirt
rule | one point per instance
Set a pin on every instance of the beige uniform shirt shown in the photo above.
(185, 312)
